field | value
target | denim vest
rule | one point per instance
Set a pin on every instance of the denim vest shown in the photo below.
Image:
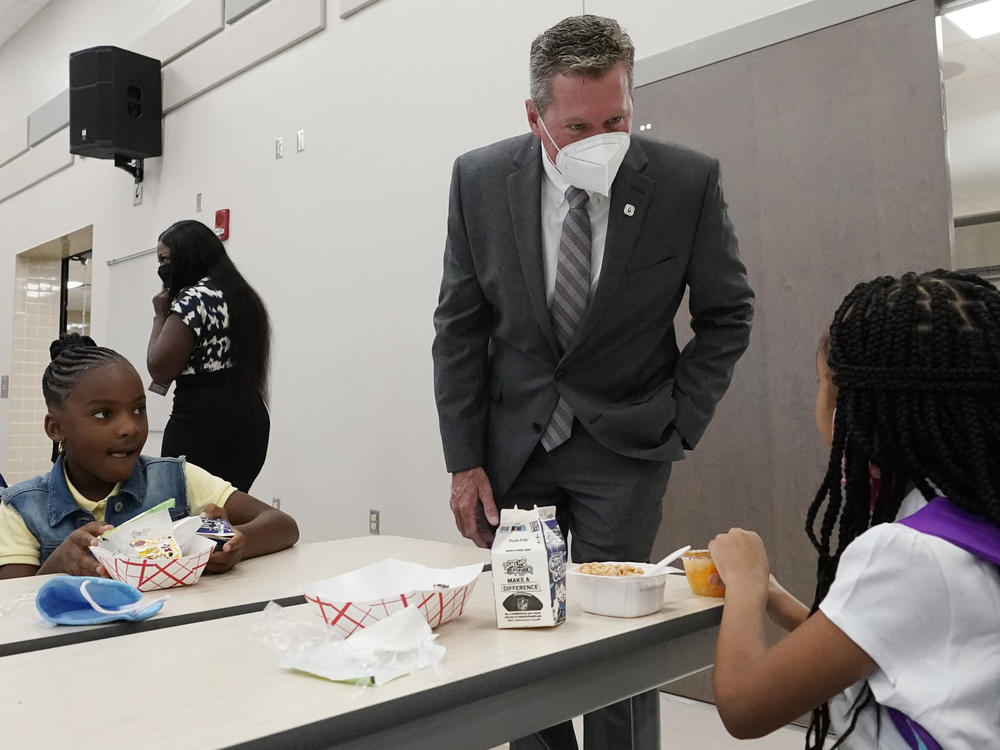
(51, 514)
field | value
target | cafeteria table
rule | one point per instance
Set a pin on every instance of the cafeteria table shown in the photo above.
(208, 684)
(246, 588)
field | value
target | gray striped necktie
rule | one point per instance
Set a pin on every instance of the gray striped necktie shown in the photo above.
(569, 300)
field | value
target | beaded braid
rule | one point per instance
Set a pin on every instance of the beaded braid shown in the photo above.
(72, 356)
(916, 361)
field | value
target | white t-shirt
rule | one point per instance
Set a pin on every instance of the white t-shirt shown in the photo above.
(928, 613)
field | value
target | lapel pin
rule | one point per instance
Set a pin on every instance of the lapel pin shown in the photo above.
(629, 209)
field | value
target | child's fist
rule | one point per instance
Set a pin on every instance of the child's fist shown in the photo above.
(73, 555)
(231, 553)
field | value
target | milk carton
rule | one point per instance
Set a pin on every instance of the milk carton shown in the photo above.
(529, 569)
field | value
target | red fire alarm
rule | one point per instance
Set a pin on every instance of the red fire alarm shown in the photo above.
(222, 223)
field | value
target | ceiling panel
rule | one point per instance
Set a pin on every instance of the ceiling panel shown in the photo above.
(981, 188)
(977, 95)
(976, 61)
(951, 34)
(963, 206)
(14, 14)
(976, 154)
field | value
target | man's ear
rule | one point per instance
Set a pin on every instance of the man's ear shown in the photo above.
(53, 428)
(532, 112)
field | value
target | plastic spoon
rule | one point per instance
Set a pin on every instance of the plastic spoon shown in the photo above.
(658, 568)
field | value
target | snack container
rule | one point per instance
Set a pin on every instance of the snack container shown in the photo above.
(155, 574)
(620, 596)
(698, 566)
(355, 600)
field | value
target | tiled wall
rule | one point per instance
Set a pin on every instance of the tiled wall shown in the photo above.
(36, 324)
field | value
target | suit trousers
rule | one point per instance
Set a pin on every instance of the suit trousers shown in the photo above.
(609, 508)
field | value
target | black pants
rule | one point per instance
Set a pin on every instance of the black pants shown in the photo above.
(220, 424)
(611, 506)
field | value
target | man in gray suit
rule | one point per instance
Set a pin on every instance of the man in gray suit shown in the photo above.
(557, 373)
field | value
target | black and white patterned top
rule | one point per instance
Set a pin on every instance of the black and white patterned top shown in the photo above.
(204, 311)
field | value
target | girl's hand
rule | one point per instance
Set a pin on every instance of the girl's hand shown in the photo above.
(161, 304)
(231, 553)
(224, 558)
(740, 558)
(73, 555)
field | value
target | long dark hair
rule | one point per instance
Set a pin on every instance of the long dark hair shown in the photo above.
(195, 252)
(916, 361)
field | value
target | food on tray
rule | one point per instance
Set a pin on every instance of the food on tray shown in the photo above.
(699, 567)
(618, 589)
(151, 552)
(609, 569)
(155, 548)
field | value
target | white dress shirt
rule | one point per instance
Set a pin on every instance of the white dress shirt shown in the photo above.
(554, 210)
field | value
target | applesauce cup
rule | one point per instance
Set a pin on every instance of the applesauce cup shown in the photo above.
(698, 567)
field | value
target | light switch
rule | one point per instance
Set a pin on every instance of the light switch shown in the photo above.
(300, 141)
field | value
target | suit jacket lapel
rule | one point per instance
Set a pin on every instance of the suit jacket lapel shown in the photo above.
(524, 193)
(631, 188)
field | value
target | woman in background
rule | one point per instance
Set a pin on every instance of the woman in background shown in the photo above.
(212, 336)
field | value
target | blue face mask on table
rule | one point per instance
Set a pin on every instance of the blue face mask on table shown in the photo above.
(88, 600)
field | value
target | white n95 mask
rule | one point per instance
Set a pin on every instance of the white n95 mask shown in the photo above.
(591, 163)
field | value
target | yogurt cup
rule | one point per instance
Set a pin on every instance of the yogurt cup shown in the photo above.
(698, 567)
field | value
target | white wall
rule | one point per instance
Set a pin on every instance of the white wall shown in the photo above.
(343, 241)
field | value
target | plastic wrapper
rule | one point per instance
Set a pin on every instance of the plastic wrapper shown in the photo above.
(392, 647)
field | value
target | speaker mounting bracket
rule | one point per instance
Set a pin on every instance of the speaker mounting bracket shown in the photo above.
(132, 166)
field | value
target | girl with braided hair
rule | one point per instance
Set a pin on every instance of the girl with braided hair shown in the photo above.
(97, 415)
(901, 647)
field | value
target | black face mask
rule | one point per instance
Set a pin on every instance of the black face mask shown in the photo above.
(165, 272)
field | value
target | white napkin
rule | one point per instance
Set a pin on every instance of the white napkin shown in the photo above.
(399, 644)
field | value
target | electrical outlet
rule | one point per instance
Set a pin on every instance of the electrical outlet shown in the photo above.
(137, 195)
(279, 147)
(300, 141)
(4, 385)
(276, 502)
(373, 523)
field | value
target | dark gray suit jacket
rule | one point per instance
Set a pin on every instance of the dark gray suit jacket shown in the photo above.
(497, 368)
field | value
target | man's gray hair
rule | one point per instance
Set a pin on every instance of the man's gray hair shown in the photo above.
(587, 45)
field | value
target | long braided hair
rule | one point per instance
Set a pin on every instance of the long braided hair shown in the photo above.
(916, 362)
(72, 356)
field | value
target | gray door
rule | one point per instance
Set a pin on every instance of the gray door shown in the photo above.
(834, 165)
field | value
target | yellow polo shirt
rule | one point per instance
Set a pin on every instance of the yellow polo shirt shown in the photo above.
(18, 546)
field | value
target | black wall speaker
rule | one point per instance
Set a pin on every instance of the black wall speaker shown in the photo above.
(115, 104)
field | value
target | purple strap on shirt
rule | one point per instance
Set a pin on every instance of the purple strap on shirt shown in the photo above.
(912, 733)
(949, 522)
(973, 534)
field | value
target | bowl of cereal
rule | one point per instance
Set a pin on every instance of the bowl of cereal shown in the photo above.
(618, 589)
